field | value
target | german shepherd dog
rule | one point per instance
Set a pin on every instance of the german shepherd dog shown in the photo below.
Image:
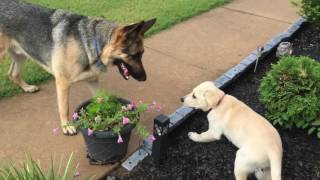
(71, 47)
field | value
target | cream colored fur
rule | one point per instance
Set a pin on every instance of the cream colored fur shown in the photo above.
(259, 143)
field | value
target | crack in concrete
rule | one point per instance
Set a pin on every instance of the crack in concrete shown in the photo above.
(256, 15)
(173, 57)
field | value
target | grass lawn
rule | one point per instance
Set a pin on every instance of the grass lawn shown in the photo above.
(167, 12)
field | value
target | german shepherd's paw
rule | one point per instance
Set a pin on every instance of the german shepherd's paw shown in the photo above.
(31, 89)
(68, 129)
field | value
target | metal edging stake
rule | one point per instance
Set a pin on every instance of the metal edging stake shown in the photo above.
(160, 132)
(259, 53)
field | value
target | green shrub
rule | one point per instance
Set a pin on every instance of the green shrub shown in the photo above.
(310, 9)
(291, 93)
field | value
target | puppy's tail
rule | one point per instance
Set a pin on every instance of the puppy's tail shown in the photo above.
(275, 164)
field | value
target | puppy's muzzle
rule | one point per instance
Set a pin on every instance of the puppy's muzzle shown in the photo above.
(182, 99)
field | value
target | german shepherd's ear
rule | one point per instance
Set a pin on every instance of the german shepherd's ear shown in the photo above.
(147, 25)
(133, 30)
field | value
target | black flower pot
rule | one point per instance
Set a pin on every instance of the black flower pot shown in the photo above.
(102, 146)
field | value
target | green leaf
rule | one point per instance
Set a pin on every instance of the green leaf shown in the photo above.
(311, 130)
(316, 123)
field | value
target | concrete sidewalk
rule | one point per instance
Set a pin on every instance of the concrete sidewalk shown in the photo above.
(176, 60)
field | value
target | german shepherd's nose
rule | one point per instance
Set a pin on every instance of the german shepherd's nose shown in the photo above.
(142, 78)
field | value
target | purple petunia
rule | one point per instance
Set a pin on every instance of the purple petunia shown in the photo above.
(154, 102)
(55, 131)
(151, 138)
(132, 105)
(125, 120)
(90, 132)
(120, 140)
(158, 108)
(75, 116)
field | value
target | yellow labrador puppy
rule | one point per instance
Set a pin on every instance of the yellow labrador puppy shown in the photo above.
(260, 147)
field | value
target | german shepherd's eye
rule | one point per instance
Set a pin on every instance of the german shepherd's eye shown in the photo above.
(137, 55)
(194, 96)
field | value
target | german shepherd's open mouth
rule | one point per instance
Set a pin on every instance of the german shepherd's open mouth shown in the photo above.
(123, 69)
(127, 70)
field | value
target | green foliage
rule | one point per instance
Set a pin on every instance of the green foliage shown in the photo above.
(31, 73)
(31, 170)
(106, 113)
(167, 12)
(310, 9)
(291, 93)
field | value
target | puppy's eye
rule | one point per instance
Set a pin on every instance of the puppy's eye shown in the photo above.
(193, 96)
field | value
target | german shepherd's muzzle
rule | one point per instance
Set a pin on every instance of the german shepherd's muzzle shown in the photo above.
(133, 68)
(129, 61)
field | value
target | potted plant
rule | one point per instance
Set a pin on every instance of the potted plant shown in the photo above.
(106, 122)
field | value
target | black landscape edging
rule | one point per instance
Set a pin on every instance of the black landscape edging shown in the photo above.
(183, 113)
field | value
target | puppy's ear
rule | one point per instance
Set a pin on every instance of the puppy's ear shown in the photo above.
(211, 98)
(147, 25)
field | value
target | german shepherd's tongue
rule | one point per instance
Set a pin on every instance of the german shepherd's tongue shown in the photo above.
(125, 71)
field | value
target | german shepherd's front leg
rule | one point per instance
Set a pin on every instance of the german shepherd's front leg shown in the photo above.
(63, 87)
(93, 85)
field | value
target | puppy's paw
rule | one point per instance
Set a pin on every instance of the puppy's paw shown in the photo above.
(68, 129)
(193, 136)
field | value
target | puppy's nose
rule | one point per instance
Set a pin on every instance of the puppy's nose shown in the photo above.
(182, 99)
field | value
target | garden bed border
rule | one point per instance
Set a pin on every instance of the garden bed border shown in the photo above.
(183, 113)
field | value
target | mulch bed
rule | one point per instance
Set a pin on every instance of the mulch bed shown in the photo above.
(188, 160)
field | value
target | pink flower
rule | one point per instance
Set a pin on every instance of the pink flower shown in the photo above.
(55, 131)
(158, 108)
(125, 120)
(76, 174)
(154, 103)
(151, 138)
(75, 116)
(90, 132)
(130, 106)
(120, 140)
(149, 109)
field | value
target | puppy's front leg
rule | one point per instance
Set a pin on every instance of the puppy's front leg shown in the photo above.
(63, 87)
(212, 134)
(207, 136)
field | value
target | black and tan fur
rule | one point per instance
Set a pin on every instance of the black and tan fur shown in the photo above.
(65, 44)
